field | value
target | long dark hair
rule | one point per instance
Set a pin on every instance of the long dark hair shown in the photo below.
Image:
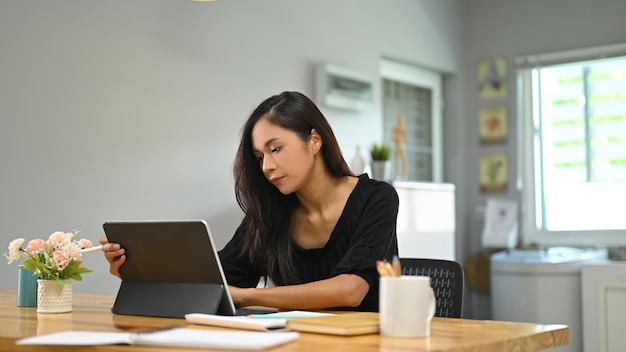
(267, 241)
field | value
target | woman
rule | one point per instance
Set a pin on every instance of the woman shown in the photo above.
(310, 226)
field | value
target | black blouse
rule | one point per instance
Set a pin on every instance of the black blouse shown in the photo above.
(364, 233)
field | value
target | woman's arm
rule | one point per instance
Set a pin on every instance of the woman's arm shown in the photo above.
(345, 290)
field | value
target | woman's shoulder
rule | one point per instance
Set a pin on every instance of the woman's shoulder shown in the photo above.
(375, 188)
(368, 182)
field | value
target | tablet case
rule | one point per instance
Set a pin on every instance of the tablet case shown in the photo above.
(171, 269)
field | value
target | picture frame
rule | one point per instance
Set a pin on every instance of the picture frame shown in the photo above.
(493, 170)
(493, 125)
(492, 78)
(343, 88)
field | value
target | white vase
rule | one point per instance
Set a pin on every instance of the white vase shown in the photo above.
(53, 297)
(380, 170)
(357, 164)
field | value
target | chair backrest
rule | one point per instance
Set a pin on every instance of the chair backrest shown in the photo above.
(446, 279)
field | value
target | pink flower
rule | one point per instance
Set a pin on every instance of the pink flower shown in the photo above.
(61, 259)
(85, 243)
(35, 246)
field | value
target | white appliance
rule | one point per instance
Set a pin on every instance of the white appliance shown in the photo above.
(541, 286)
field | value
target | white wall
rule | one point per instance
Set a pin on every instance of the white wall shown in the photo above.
(120, 109)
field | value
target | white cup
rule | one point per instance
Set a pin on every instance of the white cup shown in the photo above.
(407, 305)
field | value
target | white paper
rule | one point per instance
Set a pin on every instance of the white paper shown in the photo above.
(292, 314)
(78, 338)
(258, 322)
(183, 337)
(501, 225)
(177, 337)
(236, 322)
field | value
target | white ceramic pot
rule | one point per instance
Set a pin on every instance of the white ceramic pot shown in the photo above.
(52, 297)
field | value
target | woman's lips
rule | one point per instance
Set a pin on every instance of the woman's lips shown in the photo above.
(276, 180)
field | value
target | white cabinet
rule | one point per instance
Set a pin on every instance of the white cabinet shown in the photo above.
(541, 286)
(426, 220)
(604, 306)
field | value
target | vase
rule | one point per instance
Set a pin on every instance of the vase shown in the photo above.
(26, 292)
(357, 164)
(380, 170)
(52, 297)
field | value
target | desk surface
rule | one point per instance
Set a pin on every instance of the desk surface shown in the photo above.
(92, 312)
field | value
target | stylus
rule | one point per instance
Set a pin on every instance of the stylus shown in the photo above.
(91, 249)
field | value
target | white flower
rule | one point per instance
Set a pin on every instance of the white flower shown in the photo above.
(73, 251)
(59, 239)
(14, 250)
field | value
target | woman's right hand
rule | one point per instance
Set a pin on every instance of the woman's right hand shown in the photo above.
(114, 254)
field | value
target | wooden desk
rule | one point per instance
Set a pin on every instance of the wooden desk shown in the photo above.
(92, 312)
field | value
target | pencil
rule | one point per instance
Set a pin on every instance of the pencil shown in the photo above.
(382, 268)
(389, 269)
(397, 270)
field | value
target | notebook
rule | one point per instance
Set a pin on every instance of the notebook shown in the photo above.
(357, 323)
(171, 269)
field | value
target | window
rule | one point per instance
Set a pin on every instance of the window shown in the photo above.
(573, 146)
(414, 94)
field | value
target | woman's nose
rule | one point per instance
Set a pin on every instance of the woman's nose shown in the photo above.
(268, 164)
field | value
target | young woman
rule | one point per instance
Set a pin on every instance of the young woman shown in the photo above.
(310, 226)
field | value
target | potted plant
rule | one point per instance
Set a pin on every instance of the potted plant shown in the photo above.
(380, 154)
(56, 262)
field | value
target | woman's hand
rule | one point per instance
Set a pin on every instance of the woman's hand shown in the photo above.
(114, 254)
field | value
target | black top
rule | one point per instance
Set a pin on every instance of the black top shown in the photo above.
(365, 232)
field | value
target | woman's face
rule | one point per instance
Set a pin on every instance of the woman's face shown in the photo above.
(286, 160)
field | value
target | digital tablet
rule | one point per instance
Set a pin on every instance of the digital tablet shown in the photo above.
(171, 269)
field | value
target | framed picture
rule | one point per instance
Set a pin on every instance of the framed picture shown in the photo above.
(493, 173)
(493, 125)
(343, 88)
(492, 77)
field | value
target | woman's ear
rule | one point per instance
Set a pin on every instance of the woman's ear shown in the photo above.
(315, 142)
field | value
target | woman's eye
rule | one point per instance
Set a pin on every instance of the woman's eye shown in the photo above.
(275, 149)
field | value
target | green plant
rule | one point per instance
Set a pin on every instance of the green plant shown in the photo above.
(380, 151)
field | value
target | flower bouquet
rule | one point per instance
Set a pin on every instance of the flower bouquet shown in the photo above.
(59, 258)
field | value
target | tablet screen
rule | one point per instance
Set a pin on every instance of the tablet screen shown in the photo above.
(166, 251)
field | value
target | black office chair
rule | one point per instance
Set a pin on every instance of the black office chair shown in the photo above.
(446, 279)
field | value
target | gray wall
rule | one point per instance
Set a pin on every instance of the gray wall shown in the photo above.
(512, 28)
(113, 110)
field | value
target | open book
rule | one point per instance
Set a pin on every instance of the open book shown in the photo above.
(175, 337)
